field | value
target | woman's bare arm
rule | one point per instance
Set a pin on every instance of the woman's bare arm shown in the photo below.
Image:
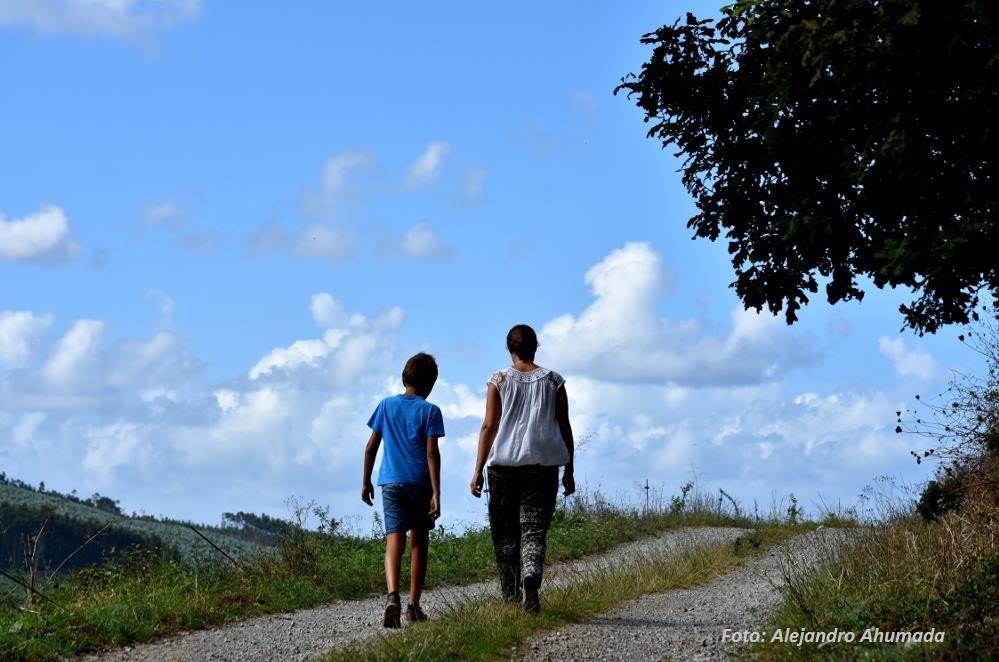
(562, 418)
(487, 434)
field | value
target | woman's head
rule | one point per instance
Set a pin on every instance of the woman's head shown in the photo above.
(522, 341)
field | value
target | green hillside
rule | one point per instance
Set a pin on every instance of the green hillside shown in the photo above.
(71, 521)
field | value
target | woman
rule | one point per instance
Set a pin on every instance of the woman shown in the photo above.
(525, 437)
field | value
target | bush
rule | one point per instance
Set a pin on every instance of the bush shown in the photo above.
(939, 497)
(963, 425)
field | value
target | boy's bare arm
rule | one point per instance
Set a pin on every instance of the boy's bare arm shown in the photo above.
(434, 464)
(487, 434)
(370, 451)
(562, 418)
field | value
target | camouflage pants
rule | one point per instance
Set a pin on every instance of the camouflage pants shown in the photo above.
(521, 505)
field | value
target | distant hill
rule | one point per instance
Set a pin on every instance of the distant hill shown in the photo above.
(71, 521)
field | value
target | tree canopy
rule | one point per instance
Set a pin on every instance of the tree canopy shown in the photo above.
(833, 141)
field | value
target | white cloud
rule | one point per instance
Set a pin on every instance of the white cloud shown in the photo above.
(156, 213)
(251, 429)
(296, 425)
(134, 362)
(469, 443)
(112, 446)
(19, 333)
(751, 441)
(318, 241)
(327, 311)
(336, 182)
(161, 425)
(26, 430)
(226, 399)
(42, 237)
(168, 216)
(268, 238)
(167, 304)
(78, 345)
(622, 337)
(909, 362)
(420, 242)
(326, 242)
(342, 352)
(128, 19)
(427, 166)
(458, 400)
(475, 182)
(82, 373)
(299, 353)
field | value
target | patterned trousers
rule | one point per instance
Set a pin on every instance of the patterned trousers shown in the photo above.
(521, 505)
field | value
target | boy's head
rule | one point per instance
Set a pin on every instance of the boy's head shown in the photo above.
(522, 341)
(420, 373)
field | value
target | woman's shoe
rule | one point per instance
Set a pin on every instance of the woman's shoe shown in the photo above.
(532, 601)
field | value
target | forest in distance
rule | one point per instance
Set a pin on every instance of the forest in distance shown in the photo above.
(74, 532)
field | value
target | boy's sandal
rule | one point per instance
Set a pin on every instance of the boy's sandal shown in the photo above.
(414, 614)
(392, 610)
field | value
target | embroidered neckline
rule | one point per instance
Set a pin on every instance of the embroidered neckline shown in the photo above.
(532, 376)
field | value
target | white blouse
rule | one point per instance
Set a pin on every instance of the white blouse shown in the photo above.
(528, 432)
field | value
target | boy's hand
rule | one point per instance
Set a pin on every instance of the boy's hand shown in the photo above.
(476, 485)
(367, 493)
(568, 482)
(435, 507)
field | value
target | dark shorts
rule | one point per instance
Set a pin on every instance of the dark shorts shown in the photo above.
(406, 507)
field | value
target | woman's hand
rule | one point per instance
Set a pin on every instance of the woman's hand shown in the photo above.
(487, 434)
(435, 507)
(476, 485)
(568, 481)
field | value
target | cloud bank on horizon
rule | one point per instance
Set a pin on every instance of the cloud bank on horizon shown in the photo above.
(651, 398)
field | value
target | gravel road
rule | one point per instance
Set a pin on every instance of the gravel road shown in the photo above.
(687, 624)
(306, 634)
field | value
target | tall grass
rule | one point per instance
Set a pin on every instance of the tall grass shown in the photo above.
(902, 575)
(142, 597)
(937, 570)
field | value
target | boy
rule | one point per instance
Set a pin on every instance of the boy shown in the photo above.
(410, 478)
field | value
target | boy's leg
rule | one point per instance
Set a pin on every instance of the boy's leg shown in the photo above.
(504, 527)
(394, 501)
(537, 506)
(395, 545)
(420, 547)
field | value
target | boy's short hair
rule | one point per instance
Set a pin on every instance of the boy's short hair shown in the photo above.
(522, 341)
(420, 372)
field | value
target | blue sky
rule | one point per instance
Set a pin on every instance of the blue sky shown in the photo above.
(225, 226)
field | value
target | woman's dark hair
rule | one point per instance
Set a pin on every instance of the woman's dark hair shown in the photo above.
(522, 341)
(420, 372)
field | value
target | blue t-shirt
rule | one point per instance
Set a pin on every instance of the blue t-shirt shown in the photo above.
(405, 422)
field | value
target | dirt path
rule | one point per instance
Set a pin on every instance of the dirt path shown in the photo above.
(306, 634)
(686, 624)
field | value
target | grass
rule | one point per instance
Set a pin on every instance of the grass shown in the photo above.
(903, 575)
(142, 597)
(491, 629)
